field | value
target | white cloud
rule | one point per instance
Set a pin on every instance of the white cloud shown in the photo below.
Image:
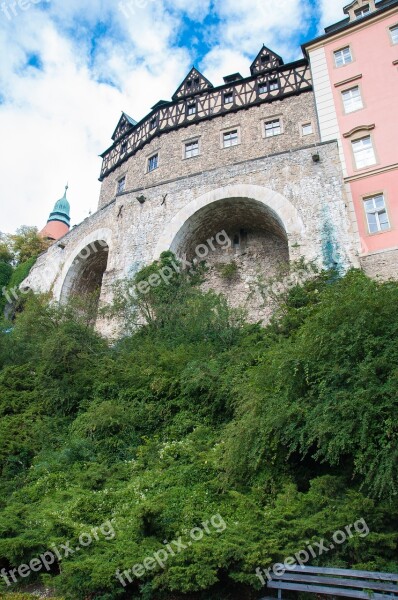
(332, 11)
(249, 24)
(55, 121)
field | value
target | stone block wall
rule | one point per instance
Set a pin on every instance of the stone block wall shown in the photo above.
(381, 265)
(293, 111)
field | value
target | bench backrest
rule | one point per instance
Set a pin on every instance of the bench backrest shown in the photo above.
(365, 585)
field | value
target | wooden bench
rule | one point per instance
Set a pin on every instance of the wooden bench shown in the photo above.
(366, 585)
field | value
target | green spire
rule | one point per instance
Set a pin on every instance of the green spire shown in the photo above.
(61, 211)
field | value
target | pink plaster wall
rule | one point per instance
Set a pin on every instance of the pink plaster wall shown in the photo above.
(373, 57)
(387, 183)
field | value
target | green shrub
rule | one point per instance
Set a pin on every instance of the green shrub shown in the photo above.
(228, 271)
(288, 432)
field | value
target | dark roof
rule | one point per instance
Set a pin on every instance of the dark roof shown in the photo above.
(232, 78)
(124, 119)
(159, 104)
(130, 119)
(201, 83)
(346, 23)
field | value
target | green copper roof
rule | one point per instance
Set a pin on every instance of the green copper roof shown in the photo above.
(61, 210)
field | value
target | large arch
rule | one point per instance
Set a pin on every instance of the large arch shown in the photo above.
(264, 232)
(282, 214)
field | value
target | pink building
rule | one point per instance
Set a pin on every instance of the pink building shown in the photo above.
(355, 77)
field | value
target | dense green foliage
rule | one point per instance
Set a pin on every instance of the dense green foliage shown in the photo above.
(7, 596)
(24, 244)
(21, 271)
(18, 254)
(6, 272)
(288, 432)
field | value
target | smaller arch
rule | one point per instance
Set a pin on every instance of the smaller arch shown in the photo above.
(84, 276)
(104, 234)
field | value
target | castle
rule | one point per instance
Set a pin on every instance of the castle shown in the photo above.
(290, 162)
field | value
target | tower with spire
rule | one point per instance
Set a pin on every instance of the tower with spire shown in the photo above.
(58, 223)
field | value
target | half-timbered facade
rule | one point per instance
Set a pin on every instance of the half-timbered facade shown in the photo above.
(197, 100)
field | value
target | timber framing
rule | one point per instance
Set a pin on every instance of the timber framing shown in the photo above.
(273, 84)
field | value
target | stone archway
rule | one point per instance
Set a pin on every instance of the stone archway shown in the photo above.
(263, 228)
(84, 276)
(277, 206)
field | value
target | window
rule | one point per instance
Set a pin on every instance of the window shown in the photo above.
(352, 99)
(192, 149)
(307, 129)
(123, 149)
(193, 82)
(273, 85)
(153, 162)
(363, 152)
(361, 12)
(231, 138)
(153, 123)
(228, 97)
(273, 128)
(121, 185)
(265, 58)
(394, 34)
(191, 109)
(262, 88)
(343, 57)
(376, 214)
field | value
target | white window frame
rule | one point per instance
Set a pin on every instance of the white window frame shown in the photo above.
(273, 85)
(352, 101)
(341, 54)
(150, 159)
(275, 130)
(191, 149)
(394, 34)
(228, 141)
(362, 12)
(379, 224)
(121, 185)
(364, 153)
(306, 125)
(263, 88)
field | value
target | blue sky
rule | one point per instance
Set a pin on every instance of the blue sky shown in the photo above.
(68, 69)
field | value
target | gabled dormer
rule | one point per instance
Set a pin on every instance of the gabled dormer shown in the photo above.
(359, 9)
(265, 60)
(193, 83)
(125, 123)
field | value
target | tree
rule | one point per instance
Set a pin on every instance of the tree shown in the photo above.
(26, 243)
(6, 254)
